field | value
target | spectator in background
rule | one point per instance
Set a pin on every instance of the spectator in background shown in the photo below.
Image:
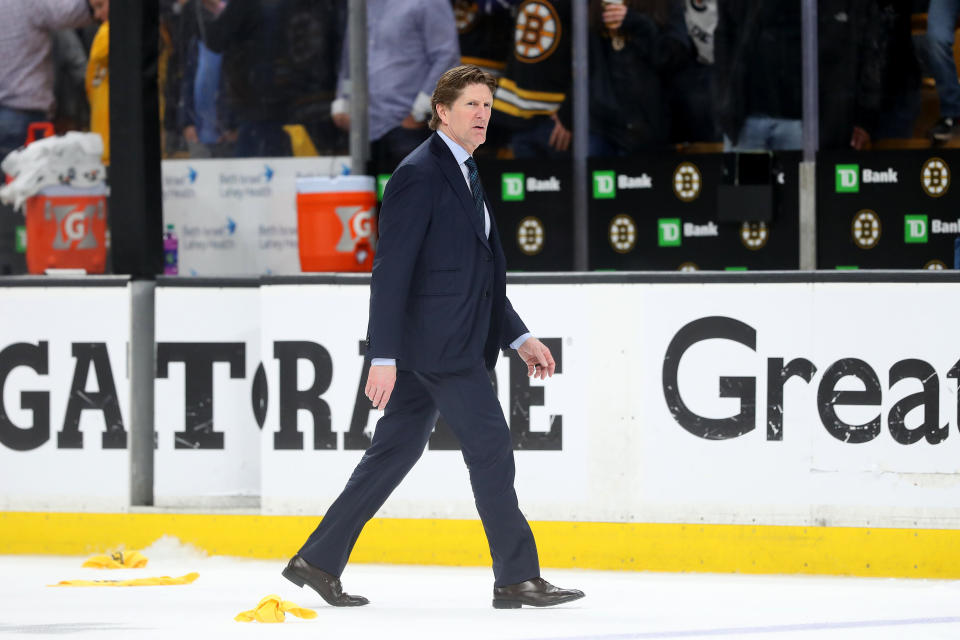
(410, 43)
(174, 37)
(533, 97)
(485, 31)
(98, 77)
(279, 61)
(316, 40)
(26, 75)
(634, 46)
(851, 42)
(691, 103)
(941, 25)
(900, 81)
(70, 67)
(757, 52)
(202, 114)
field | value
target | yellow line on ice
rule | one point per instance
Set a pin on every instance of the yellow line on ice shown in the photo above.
(918, 553)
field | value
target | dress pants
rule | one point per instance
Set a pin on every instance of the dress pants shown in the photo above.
(469, 404)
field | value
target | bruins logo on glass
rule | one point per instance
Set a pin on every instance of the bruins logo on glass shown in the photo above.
(866, 229)
(465, 13)
(688, 266)
(530, 235)
(935, 177)
(537, 31)
(754, 235)
(623, 233)
(687, 181)
(935, 265)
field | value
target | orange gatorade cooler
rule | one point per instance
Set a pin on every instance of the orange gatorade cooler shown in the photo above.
(336, 227)
(67, 229)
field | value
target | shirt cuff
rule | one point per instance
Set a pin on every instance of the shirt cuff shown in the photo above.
(383, 362)
(340, 105)
(421, 107)
(519, 341)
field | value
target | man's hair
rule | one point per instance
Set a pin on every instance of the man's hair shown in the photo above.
(451, 85)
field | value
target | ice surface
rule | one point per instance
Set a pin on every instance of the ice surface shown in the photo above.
(448, 603)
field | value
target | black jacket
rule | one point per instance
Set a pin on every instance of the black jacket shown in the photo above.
(628, 98)
(280, 56)
(438, 299)
(852, 37)
(757, 51)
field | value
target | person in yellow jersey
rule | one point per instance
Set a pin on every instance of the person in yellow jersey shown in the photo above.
(98, 76)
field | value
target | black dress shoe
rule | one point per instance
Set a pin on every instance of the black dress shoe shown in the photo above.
(534, 593)
(300, 572)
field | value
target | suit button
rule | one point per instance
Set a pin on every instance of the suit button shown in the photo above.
(486, 294)
(488, 258)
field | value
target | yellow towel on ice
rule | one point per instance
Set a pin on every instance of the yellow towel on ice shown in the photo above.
(272, 609)
(138, 582)
(118, 560)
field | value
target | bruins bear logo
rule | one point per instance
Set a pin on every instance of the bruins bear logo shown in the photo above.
(537, 31)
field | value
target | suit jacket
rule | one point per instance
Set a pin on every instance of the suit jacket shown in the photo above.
(438, 292)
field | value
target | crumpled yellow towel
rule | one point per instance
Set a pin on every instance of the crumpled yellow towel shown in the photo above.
(138, 582)
(272, 608)
(117, 560)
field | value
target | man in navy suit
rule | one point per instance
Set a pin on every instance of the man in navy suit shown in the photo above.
(439, 316)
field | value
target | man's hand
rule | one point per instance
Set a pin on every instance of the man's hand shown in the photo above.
(342, 120)
(560, 136)
(380, 382)
(613, 15)
(859, 139)
(539, 361)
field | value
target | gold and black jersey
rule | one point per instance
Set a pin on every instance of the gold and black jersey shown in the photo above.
(537, 79)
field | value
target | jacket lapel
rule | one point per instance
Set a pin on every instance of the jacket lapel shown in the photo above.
(451, 171)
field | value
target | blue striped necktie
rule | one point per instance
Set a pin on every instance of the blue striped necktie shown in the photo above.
(476, 189)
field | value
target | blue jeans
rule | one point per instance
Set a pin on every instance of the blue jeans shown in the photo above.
(206, 86)
(763, 133)
(13, 128)
(941, 17)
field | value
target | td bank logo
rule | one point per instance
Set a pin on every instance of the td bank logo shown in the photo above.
(668, 232)
(848, 178)
(604, 185)
(512, 185)
(382, 179)
(915, 229)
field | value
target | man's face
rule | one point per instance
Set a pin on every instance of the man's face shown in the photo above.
(465, 121)
(101, 9)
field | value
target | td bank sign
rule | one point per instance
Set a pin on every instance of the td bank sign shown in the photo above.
(514, 186)
(849, 177)
(606, 183)
(918, 228)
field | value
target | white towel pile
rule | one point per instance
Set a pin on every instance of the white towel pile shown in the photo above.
(73, 159)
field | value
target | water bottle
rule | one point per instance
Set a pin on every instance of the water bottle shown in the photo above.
(169, 251)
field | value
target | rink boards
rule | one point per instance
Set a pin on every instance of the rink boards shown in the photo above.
(777, 423)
